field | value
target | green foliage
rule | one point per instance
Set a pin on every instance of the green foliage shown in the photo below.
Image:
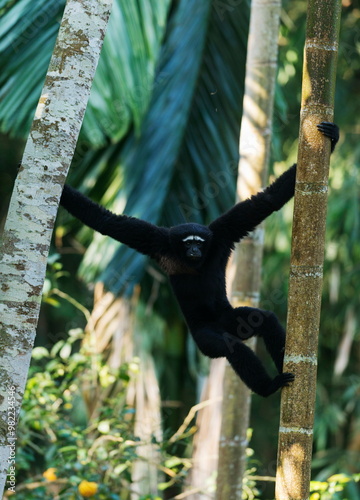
(59, 446)
(336, 487)
(55, 431)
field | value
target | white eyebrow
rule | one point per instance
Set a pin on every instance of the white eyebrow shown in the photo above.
(193, 237)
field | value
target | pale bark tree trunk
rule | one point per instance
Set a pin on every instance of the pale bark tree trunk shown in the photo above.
(33, 207)
(206, 441)
(244, 274)
(307, 255)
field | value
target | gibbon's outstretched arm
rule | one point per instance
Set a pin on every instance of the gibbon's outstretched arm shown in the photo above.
(142, 236)
(246, 215)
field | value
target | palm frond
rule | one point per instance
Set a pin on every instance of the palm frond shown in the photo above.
(184, 164)
(123, 81)
(27, 37)
(125, 76)
(151, 158)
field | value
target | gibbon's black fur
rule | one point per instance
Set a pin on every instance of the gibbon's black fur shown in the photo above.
(195, 258)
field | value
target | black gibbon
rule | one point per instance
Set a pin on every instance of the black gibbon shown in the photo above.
(195, 257)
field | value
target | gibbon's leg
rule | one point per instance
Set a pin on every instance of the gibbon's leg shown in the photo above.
(243, 360)
(249, 321)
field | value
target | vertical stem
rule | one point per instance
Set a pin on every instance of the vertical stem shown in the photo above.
(245, 271)
(307, 254)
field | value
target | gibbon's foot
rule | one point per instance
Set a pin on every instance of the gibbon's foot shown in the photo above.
(281, 380)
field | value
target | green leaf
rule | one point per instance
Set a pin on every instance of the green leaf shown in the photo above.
(39, 353)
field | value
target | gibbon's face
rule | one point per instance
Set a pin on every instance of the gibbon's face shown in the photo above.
(190, 243)
(193, 247)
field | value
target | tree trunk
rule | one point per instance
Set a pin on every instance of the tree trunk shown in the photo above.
(307, 255)
(112, 328)
(206, 440)
(33, 207)
(244, 273)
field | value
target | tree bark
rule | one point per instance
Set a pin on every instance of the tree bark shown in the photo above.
(33, 207)
(244, 274)
(206, 440)
(307, 254)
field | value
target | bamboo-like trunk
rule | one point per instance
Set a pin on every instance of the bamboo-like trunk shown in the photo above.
(307, 255)
(244, 273)
(33, 207)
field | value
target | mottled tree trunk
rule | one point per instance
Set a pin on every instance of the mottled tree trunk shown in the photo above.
(307, 255)
(33, 207)
(244, 273)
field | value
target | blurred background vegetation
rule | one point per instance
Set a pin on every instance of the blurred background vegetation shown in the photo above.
(160, 141)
